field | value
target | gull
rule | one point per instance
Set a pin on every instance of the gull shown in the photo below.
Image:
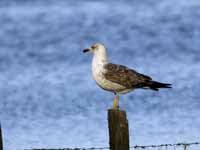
(118, 79)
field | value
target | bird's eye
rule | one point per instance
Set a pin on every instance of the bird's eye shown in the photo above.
(93, 46)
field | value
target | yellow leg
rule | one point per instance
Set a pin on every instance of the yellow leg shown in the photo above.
(116, 103)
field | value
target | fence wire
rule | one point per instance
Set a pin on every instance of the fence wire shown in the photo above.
(178, 146)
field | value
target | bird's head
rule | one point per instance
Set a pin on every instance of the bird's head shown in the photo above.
(96, 48)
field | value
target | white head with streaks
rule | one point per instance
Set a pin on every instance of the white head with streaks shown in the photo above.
(98, 50)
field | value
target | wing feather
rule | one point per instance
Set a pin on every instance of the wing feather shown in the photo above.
(125, 76)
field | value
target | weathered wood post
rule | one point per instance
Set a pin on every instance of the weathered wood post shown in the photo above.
(118, 130)
(1, 139)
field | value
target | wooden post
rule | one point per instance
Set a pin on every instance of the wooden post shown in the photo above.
(118, 130)
(1, 139)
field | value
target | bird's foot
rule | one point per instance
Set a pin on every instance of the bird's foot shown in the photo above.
(115, 104)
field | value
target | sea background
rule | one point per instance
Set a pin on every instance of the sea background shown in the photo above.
(48, 98)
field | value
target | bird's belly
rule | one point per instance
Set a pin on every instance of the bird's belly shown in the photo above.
(106, 84)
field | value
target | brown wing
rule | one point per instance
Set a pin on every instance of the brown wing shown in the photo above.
(125, 76)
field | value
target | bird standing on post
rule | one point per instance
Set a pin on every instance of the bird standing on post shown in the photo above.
(118, 79)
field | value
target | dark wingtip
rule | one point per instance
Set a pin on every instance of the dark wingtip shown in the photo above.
(168, 85)
(154, 85)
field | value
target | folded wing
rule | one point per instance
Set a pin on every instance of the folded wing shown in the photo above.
(125, 76)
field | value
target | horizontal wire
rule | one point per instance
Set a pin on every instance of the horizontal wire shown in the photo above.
(135, 147)
(166, 145)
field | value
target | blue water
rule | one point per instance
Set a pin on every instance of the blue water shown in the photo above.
(48, 96)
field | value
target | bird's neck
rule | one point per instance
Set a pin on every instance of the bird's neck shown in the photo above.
(99, 59)
(98, 62)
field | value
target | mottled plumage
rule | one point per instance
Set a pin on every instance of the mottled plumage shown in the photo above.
(130, 78)
(125, 76)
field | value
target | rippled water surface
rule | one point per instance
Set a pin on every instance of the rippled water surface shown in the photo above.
(48, 96)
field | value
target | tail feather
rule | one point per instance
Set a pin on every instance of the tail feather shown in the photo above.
(154, 85)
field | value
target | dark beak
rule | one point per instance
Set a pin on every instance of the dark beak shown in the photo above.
(86, 50)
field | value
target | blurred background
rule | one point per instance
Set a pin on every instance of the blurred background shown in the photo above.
(47, 95)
